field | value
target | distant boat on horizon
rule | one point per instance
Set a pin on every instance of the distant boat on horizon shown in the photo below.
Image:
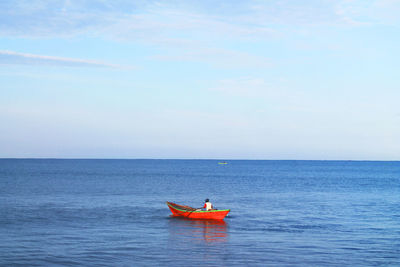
(223, 163)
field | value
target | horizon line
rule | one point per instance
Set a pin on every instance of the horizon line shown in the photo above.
(216, 159)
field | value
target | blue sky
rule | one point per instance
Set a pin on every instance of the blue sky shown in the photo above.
(274, 79)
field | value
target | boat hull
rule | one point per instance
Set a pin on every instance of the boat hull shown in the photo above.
(191, 213)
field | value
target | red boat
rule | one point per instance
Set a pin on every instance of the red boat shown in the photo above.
(192, 213)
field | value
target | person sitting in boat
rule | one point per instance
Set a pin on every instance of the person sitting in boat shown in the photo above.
(208, 205)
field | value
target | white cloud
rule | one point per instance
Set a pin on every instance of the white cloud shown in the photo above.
(191, 30)
(151, 20)
(387, 11)
(243, 86)
(11, 57)
(254, 87)
(221, 58)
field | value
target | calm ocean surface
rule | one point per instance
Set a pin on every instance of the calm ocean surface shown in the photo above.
(283, 213)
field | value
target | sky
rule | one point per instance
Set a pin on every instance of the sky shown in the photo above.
(196, 79)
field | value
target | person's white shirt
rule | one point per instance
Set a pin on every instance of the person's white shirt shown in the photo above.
(208, 206)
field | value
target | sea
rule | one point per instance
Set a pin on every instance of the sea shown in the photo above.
(94, 212)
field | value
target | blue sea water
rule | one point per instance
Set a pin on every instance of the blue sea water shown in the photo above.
(283, 213)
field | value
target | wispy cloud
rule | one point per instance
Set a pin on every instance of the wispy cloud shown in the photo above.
(11, 57)
(245, 86)
(254, 87)
(218, 57)
(199, 32)
(149, 20)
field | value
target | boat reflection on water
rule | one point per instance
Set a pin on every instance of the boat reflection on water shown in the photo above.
(210, 231)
